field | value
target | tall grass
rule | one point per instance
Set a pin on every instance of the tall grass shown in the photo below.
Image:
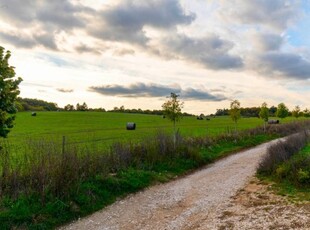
(65, 179)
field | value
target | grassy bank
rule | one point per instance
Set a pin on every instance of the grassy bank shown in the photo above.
(48, 186)
(288, 167)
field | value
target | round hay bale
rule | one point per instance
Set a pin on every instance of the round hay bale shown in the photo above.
(131, 126)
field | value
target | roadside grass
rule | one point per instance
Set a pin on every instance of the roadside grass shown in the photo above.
(47, 187)
(289, 173)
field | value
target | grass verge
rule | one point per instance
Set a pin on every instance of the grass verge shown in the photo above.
(288, 168)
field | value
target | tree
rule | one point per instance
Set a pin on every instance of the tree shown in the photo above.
(235, 112)
(82, 107)
(172, 110)
(296, 112)
(264, 114)
(282, 111)
(8, 93)
(69, 107)
(306, 113)
(272, 111)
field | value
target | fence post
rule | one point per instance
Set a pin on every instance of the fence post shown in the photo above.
(63, 145)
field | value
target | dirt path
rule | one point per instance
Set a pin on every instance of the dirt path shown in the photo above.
(186, 203)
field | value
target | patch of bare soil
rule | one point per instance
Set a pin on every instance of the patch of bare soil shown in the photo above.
(258, 207)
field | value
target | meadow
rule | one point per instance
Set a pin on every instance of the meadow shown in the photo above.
(106, 127)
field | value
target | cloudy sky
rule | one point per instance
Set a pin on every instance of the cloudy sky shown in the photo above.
(134, 52)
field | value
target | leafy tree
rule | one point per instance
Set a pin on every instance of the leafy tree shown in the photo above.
(306, 113)
(172, 110)
(272, 111)
(235, 112)
(264, 114)
(282, 111)
(296, 112)
(82, 107)
(8, 93)
(69, 107)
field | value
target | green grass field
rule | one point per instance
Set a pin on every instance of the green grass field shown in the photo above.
(87, 127)
(79, 127)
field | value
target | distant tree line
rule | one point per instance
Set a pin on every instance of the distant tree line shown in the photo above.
(28, 104)
(249, 112)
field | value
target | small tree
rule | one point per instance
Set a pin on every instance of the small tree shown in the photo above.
(264, 114)
(172, 110)
(235, 112)
(296, 112)
(282, 111)
(69, 107)
(306, 113)
(8, 93)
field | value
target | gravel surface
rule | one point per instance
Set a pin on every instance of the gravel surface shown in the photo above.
(190, 202)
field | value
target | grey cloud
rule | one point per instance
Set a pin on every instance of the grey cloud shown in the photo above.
(212, 51)
(25, 41)
(285, 65)
(47, 40)
(125, 22)
(65, 90)
(277, 14)
(136, 90)
(123, 52)
(60, 13)
(196, 94)
(155, 90)
(17, 40)
(48, 17)
(267, 41)
(82, 48)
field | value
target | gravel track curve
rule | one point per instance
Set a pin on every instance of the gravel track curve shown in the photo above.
(184, 203)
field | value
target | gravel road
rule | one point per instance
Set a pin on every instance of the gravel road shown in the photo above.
(184, 203)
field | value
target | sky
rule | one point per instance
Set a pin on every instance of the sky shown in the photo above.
(110, 53)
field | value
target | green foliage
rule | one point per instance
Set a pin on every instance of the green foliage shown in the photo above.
(306, 113)
(296, 112)
(29, 104)
(69, 107)
(82, 107)
(235, 111)
(282, 111)
(291, 173)
(8, 93)
(264, 112)
(173, 108)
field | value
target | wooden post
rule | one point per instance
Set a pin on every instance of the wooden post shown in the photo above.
(63, 145)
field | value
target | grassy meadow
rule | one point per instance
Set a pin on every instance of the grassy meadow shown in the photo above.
(106, 128)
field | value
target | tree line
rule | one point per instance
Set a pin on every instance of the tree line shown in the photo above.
(272, 111)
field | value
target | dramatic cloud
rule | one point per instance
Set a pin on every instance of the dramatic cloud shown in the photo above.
(37, 22)
(65, 90)
(285, 65)
(155, 90)
(126, 21)
(211, 51)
